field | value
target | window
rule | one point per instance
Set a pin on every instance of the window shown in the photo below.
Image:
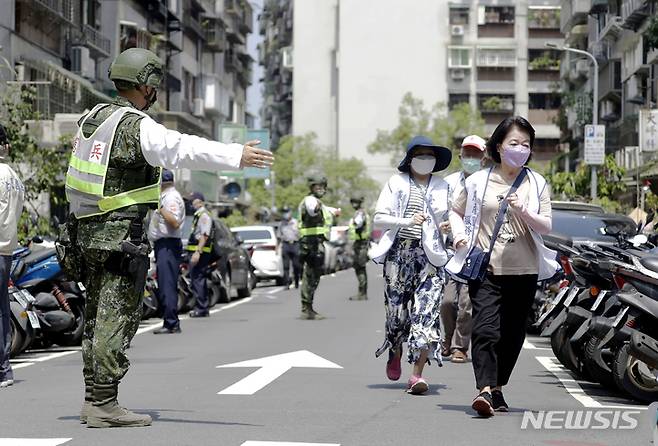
(457, 98)
(496, 57)
(495, 15)
(543, 101)
(459, 57)
(459, 16)
(132, 37)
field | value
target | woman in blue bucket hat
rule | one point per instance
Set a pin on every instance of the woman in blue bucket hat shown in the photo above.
(413, 209)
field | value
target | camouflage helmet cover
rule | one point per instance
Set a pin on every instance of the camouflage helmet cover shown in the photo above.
(316, 179)
(137, 66)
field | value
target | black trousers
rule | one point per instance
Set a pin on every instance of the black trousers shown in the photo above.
(198, 276)
(500, 309)
(167, 257)
(290, 254)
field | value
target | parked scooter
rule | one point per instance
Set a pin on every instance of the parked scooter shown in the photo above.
(23, 320)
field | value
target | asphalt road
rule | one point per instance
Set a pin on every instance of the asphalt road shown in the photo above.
(336, 393)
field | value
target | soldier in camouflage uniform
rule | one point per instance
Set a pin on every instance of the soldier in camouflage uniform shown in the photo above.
(112, 180)
(314, 227)
(360, 235)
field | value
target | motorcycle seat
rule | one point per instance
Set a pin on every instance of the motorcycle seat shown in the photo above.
(36, 257)
(650, 263)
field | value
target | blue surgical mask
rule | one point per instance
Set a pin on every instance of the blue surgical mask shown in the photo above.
(471, 165)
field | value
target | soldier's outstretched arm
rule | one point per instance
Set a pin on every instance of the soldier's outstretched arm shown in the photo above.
(171, 149)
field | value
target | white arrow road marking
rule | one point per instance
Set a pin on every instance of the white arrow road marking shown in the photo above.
(33, 441)
(284, 443)
(270, 368)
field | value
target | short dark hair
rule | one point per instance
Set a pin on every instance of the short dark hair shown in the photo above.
(499, 135)
(124, 85)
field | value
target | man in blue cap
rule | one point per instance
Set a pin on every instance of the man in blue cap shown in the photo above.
(200, 244)
(165, 234)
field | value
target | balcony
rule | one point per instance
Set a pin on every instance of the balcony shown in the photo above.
(215, 33)
(573, 12)
(231, 61)
(577, 35)
(543, 18)
(633, 13)
(66, 11)
(98, 44)
(156, 8)
(194, 26)
(495, 57)
(545, 62)
(489, 104)
(610, 81)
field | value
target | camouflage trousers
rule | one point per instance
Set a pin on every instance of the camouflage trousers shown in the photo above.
(112, 315)
(312, 259)
(360, 262)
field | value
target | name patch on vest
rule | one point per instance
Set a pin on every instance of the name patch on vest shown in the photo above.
(97, 151)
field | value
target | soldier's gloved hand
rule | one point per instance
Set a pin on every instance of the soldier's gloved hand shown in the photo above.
(254, 157)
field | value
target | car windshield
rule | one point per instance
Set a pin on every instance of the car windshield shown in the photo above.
(589, 226)
(254, 234)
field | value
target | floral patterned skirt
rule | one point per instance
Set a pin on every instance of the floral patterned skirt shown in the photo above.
(414, 288)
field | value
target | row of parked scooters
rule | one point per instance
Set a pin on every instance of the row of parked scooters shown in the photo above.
(603, 321)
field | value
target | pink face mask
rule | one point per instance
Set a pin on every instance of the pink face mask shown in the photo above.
(515, 155)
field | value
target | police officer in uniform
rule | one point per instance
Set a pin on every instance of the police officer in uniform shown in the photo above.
(314, 228)
(288, 235)
(200, 244)
(112, 180)
(359, 233)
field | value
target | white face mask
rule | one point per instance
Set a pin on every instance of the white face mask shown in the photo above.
(423, 164)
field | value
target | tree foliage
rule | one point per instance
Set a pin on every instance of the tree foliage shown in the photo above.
(445, 127)
(296, 159)
(41, 169)
(576, 186)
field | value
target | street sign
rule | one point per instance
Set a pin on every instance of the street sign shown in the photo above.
(649, 130)
(272, 367)
(263, 136)
(594, 144)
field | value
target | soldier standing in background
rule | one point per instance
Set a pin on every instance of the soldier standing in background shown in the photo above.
(314, 229)
(360, 235)
(112, 180)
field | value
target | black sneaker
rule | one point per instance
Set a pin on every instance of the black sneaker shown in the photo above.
(165, 330)
(483, 405)
(499, 403)
(197, 313)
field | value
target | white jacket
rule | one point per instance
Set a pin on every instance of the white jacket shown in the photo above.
(389, 215)
(476, 185)
(12, 194)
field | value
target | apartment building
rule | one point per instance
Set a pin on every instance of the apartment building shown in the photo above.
(275, 55)
(497, 62)
(615, 33)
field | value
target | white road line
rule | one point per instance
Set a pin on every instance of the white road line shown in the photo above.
(33, 441)
(283, 443)
(277, 289)
(530, 346)
(571, 385)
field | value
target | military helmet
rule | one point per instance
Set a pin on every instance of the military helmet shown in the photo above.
(316, 179)
(137, 66)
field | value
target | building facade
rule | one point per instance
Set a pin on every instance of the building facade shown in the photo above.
(63, 48)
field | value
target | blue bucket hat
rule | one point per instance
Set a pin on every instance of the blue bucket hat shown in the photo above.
(443, 154)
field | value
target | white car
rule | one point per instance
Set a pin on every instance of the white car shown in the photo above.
(262, 244)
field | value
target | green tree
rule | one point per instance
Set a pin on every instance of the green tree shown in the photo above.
(41, 169)
(296, 158)
(445, 127)
(576, 185)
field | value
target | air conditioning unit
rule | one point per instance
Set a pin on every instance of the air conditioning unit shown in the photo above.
(457, 30)
(457, 74)
(82, 63)
(286, 57)
(197, 109)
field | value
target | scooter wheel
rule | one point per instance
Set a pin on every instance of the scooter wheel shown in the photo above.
(563, 352)
(17, 340)
(634, 376)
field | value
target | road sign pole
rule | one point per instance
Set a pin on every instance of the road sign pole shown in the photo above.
(595, 121)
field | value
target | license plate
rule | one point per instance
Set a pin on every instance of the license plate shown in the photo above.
(18, 296)
(619, 317)
(599, 299)
(558, 296)
(82, 287)
(34, 320)
(29, 297)
(572, 295)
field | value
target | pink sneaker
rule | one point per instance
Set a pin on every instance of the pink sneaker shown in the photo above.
(393, 367)
(417, 385)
